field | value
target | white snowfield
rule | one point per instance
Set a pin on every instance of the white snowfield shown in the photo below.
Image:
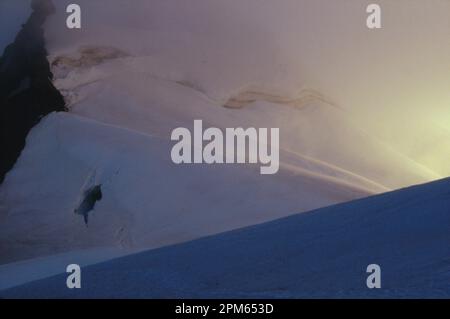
(147, 200)
(320, 254)
(360, 112)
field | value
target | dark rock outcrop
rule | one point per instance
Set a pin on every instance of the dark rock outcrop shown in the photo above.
(26, 90)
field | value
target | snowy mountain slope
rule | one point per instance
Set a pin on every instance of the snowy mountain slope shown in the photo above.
(155, 107)
(147, 200)
(135, 72)
(313, 127)
(393, 82)
(25, 271)
(323, 253)
(171, 62)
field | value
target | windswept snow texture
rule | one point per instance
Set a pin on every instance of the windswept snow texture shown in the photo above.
(324, 253)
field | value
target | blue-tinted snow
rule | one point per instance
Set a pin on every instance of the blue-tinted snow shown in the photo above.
(319, 254)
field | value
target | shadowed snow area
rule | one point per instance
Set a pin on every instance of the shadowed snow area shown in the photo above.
(319, 254)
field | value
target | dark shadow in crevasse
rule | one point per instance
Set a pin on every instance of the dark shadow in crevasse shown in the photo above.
(90, 198)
